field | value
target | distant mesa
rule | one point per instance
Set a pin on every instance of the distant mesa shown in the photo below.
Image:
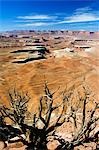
(29, 59)
(36, 53)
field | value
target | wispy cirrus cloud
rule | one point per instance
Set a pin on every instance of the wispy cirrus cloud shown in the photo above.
(83, 10)
(38, 24)
(81, 18)
(35, 24)
(82, 15)
(37, 20)
(37, 17)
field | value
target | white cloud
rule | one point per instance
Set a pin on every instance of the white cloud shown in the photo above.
(81, 18)
(35, 24)
(82, 10)
(37, 17)
(23, 21)
(82, 15)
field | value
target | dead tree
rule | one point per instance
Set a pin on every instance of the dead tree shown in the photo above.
(18, 107)
(43, 125)
(86, 133)
(16, 113)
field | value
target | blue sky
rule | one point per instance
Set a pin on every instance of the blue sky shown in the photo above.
(49, 15)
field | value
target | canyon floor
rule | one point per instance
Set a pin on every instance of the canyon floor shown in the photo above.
(61, 69)
(58, 71)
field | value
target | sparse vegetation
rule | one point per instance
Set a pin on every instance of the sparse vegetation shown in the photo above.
(43, 128)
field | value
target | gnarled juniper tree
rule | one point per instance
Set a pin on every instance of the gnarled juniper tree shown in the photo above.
(44, 126)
